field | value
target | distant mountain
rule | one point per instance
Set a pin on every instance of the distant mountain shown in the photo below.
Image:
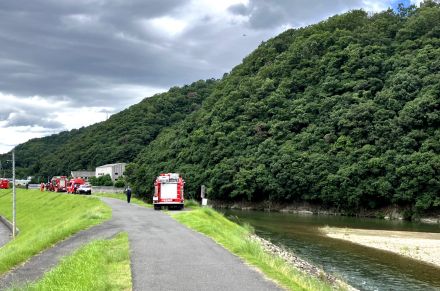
(118, 139)
(344, 113)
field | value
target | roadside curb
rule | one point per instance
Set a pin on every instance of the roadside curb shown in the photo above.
(8, 224)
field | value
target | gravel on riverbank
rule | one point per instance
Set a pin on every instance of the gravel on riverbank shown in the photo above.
(422, 246)
(300, 264)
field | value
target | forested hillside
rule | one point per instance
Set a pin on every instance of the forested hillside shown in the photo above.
(344, 113)
(118, 139)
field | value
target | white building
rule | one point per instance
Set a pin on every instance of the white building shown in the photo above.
(82, 174)
(114, 170)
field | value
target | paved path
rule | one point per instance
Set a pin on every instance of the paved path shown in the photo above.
(165, 255)
(5, 234)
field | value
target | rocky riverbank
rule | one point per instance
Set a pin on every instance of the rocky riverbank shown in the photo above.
(421, 246)
(301, 264)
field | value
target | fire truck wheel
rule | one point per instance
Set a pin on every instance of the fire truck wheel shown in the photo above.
(157, 207)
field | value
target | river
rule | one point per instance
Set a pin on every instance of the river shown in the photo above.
(362, 267)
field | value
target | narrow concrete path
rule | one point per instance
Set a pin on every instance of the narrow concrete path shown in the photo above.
(5, 234)
(165, 255)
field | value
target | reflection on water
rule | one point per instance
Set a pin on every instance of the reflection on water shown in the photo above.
(362, 267)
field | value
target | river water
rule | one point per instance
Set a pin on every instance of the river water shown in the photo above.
(362, 267)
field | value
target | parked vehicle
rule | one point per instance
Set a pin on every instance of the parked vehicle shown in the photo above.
(74, 184)
(168, 191)
(85, 189)
(58, 184)
(4, 184)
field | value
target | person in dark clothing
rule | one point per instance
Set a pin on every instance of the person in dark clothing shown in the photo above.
(128, 193)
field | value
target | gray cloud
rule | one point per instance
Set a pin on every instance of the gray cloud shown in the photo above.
(106, 54)
(28, 115)
(25, 119)
(269, 14)
(74, 48)
(80, 49)
(4, 113)
(239, 9)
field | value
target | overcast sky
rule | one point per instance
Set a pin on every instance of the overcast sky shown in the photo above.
(70, 63)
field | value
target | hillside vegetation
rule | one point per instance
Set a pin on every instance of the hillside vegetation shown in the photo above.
(343, 113)
(119, 139)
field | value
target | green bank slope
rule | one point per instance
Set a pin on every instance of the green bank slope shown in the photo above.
(45, 218)
(100, 265)
(344, 113)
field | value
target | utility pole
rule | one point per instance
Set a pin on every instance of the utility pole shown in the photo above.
(14, 221)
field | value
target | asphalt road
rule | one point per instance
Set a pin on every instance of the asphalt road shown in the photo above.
(5, 234)
(165, 255)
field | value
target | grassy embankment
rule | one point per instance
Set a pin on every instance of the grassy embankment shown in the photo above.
(45, 218)
(100, 265)
(237, 240)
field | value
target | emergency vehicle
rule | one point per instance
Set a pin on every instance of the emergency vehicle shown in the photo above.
(58, 184)
(168, 191)
(73, 185)
(4, 184)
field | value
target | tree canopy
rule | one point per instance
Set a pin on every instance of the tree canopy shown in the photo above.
(343, 113)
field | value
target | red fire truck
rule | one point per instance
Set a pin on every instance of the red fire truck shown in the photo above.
(73, 185)
(4, 184)
(58, 184)
(168, 191)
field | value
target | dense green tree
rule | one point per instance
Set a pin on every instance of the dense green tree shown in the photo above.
(105, 180)
(343, 113)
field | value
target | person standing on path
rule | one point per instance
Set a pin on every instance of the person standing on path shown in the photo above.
(128, 193)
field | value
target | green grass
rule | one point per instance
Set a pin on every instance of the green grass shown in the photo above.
(45, 218)
(122, 196)
(191, 203)
(237, 240)
(100, 265)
